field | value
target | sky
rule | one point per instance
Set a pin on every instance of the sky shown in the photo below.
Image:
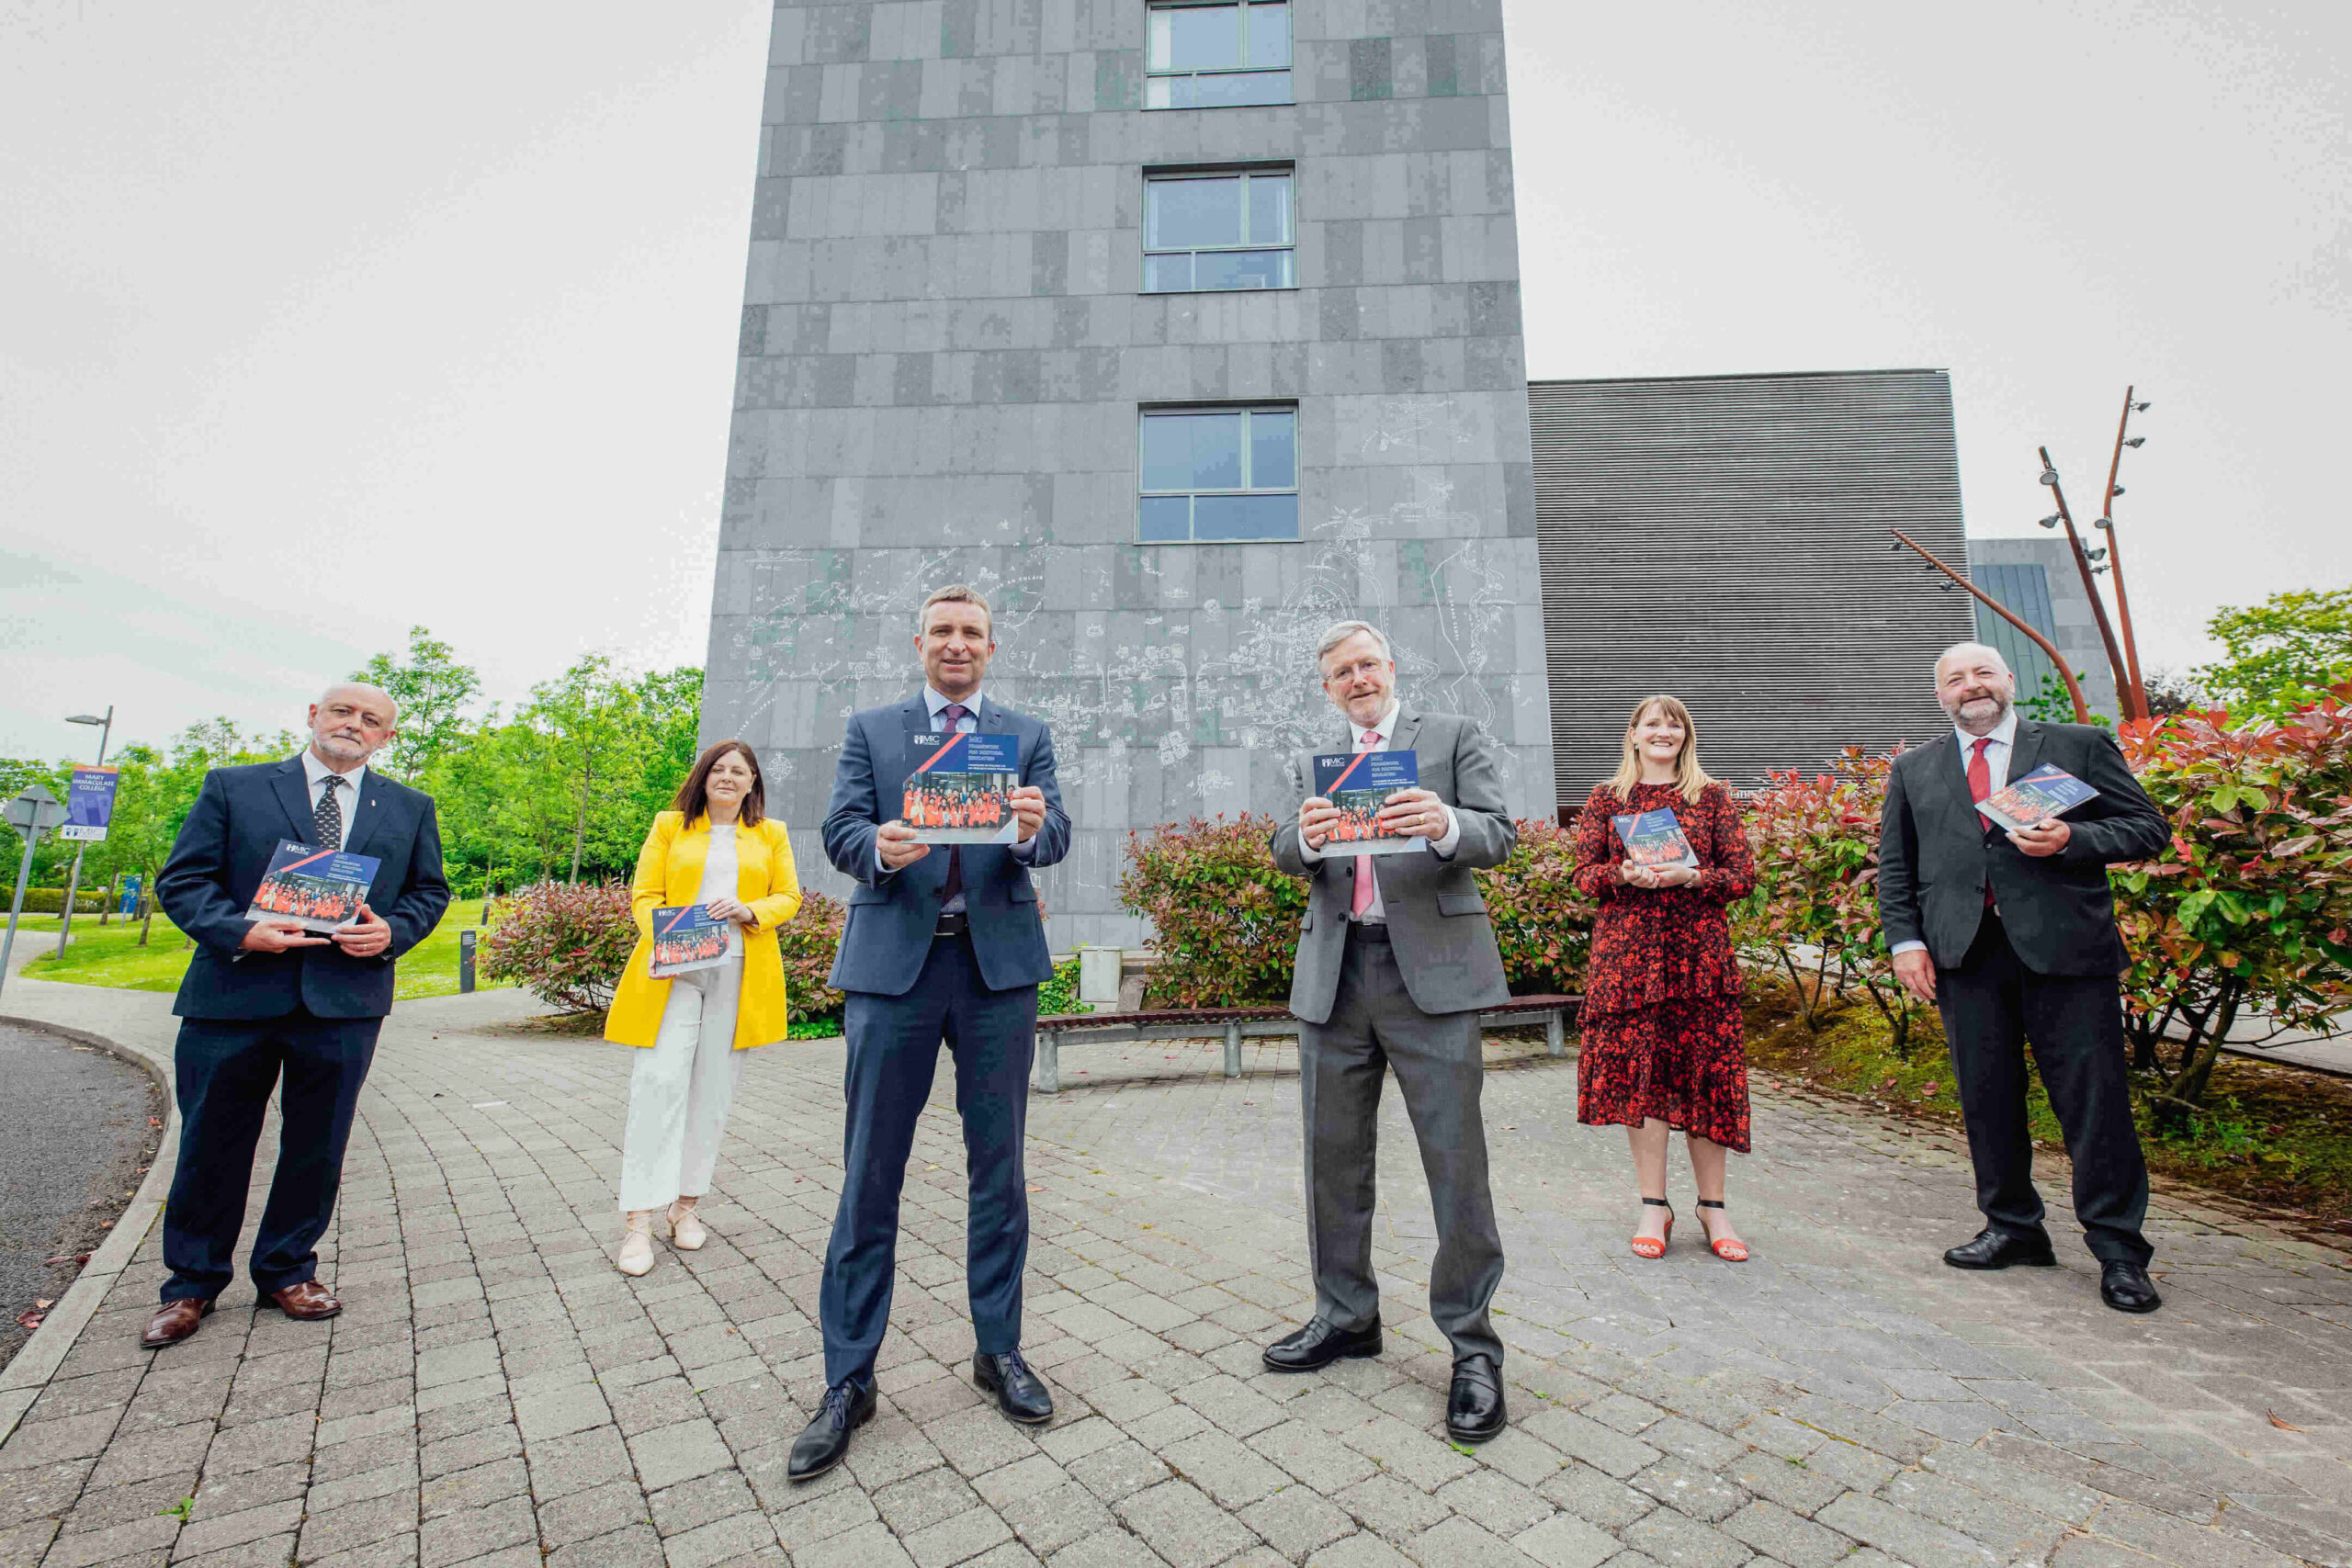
(317, 322)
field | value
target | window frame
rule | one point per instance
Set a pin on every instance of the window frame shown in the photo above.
(1245, 7)
(1243, 173)
(1245, 409)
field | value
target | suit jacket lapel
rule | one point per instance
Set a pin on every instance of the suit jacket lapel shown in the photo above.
(1408, 724)
(294, 794)
(2025, 752)
(367, 816)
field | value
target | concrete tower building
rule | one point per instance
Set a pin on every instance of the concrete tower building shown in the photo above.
(1181, 327)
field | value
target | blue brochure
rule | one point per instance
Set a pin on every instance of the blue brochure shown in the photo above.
(320, 890)
(686, 939)
(1654, 837)
(2040, 795)
(961, 789)
(1360, 783)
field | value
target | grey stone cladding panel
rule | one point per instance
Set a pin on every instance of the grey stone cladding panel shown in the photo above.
(944, 348)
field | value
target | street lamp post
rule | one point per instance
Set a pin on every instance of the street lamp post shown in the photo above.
(2115, 550)
(32, 813)
(73, 886)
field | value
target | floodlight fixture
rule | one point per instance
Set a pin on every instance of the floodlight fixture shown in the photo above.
(2051, 521)
(2104, 522)
(84, 719)
(2139, 408)
(2049, 475)
(2137, 441)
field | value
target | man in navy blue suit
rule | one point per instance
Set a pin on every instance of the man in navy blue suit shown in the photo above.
(942, 943)
(267, 998)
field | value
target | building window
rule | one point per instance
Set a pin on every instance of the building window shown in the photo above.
(1210, 53)
(1218, 474)
(1213, 231)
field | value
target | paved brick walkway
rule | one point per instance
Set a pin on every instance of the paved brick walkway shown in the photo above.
(497, 1394)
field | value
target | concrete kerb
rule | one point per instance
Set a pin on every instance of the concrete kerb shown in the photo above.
(24, 1378)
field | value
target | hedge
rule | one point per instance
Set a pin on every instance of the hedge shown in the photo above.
(1227, 919)
(51, 900)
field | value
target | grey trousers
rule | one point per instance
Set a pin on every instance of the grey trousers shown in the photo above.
(1375, 1026)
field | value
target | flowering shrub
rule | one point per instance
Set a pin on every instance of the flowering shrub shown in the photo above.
(565, 945)
(1816, 842)
(1543, 924)
(2250, 907)
(808, 941)
(1227, 920)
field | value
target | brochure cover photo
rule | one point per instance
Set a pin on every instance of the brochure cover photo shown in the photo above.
(686, 939)
(1654, 838)
(320, 890)
(2041, 795)
(1360, 784)
(961, 792)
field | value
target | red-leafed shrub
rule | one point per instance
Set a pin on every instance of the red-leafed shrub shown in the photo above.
(808, 941)
(2250, 907)
(565, 945)
(1542, 923)
(1816, 842)
(1225, 921)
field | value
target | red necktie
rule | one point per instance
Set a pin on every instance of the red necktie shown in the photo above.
(1366, 886)
(1980, 785)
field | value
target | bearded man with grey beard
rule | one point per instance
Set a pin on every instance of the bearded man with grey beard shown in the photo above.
(2012, 936)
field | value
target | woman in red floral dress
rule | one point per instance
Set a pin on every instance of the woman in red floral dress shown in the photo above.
(1661, 1023)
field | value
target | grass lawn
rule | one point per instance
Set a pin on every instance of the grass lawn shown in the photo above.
(113, 957)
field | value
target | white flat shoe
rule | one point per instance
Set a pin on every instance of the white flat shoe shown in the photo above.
(686, 1232)
(635, 1256)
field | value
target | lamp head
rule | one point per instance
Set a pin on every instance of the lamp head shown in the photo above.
(2051, 521)
(84, 719)
(2137, 441)
(2049, 475)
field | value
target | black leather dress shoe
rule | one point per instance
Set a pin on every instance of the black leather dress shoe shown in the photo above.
(1474, 1409)
(1020, 1393)
(1999, 1249)
(1319, 1345)
(2127, 1288)
(824, 1441)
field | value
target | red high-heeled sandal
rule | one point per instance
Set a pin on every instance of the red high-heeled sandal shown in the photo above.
(1730, 1251)
(1653, 1246)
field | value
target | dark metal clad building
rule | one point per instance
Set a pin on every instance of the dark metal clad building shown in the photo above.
(1725, 539)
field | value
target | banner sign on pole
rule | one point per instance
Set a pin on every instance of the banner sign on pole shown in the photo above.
(129, 894)
(89, 804)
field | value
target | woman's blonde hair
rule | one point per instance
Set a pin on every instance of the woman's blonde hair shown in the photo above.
(1689, 777)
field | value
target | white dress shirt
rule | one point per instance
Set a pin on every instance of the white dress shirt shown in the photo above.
(720, 879)
(1379, 730)
(346, 798)
(1022, 849)
(2004, 736)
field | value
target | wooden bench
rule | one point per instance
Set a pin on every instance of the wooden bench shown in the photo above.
(1234, 1023)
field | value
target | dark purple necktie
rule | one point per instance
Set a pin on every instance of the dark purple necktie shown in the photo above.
(954, 886)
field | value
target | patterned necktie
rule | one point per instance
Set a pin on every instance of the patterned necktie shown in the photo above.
(954, 886)
(1366, 886)
(329, 816)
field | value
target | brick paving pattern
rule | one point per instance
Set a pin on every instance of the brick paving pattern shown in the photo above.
(498, 1395)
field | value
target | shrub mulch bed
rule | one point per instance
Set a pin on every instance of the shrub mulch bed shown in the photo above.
(2275, 1142)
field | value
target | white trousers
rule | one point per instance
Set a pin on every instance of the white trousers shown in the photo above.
(679, 1093)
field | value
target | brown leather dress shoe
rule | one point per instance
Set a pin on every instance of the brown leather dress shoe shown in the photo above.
(177, 1319)
(308, 1302)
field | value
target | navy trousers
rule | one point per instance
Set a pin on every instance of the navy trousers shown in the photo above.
(893, 1054)
(228, 1068)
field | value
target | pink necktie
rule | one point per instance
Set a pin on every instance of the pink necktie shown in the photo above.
(1366, 886)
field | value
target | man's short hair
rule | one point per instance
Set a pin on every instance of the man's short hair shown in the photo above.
(1971, 647)
(954, 593)
(392, 703)
(1341, 631)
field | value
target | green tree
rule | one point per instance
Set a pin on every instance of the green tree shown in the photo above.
(2282, 655)
(433, 690)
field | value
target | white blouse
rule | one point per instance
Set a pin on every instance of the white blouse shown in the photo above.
(719, 879)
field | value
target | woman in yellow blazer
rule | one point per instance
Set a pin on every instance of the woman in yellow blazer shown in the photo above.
(716, 847)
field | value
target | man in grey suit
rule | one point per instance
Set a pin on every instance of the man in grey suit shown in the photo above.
(1395, 958)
